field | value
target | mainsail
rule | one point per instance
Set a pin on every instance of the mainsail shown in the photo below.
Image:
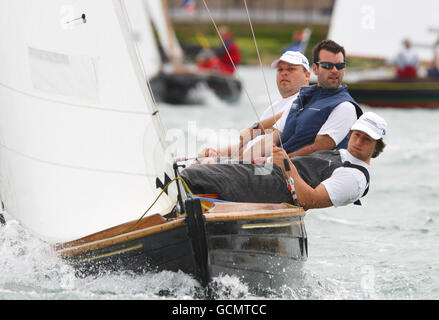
(81, 143)
(377, 28)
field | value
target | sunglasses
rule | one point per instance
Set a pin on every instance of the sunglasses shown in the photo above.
(330, 65)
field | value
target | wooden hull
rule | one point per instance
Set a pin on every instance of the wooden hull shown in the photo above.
(263, 244)
(176, 88)
(164, 247)
(421, 93)
(266, 252)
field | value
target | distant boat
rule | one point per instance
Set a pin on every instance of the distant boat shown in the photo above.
(175, 80)
(179, 88)
(420, 93)
(83, 155)
(375, 29)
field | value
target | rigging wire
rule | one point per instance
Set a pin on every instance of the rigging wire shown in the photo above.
(259, 56)
(155, 111)
(190, 193)
(130, 227)
(228, 53)
(155, 105)
(262, 70)
(139, 58)
(260, 63)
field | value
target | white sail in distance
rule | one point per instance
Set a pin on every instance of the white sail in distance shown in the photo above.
(158, 13)
(142, 33)
(377, 28)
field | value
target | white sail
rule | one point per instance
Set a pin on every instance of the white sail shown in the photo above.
(377, 28)
(80, 141)
(142, 33)
(158, 13)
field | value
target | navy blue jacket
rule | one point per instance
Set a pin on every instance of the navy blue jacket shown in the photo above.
(308, 114)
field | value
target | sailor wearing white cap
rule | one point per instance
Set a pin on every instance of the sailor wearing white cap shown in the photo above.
(322, 115)
(337, 177)
(292, 57)
(372, 124)
(322, 179)
(292, 73)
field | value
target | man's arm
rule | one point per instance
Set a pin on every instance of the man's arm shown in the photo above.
(333, 131)
(262, 147)
(322, 142)
(308, 197)
(262, 126)
(246, 135)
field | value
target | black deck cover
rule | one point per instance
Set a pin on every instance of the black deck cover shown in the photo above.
(239, 182)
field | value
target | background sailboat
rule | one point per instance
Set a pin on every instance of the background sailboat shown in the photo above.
(177, 80)
(375, 29)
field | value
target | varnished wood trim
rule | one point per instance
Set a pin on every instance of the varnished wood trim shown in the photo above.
(100, 244)
(224, 207)
(234, 211)
(148, 221)
(282, 213)
(220, 212)
(109, 254)
(271, 224)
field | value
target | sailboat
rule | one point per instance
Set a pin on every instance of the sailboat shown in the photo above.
(84, 163)
(176, 81)
(376, 29)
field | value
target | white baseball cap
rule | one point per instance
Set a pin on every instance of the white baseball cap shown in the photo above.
(372, 124)
(293, 57)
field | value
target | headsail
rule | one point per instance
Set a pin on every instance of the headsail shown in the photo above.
(80, 141)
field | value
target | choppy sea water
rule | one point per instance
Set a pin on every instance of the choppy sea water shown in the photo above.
(386, 249)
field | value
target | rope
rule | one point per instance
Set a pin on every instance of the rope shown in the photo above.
(248, 96)
(154, 202)
(262, 70)
(190, 194)
(139, 57)
(260, 63)
(207, 199)
(227, 51)
(259, 56)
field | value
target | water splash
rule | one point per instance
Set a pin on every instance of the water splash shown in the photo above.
(30, 269)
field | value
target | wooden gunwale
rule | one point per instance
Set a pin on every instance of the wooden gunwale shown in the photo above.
(220, 212)
(244, 207)
(125, 237)
(148, 221)
(243, 215)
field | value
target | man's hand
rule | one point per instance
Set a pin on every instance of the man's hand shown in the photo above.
(279, 155)
(208, 152)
